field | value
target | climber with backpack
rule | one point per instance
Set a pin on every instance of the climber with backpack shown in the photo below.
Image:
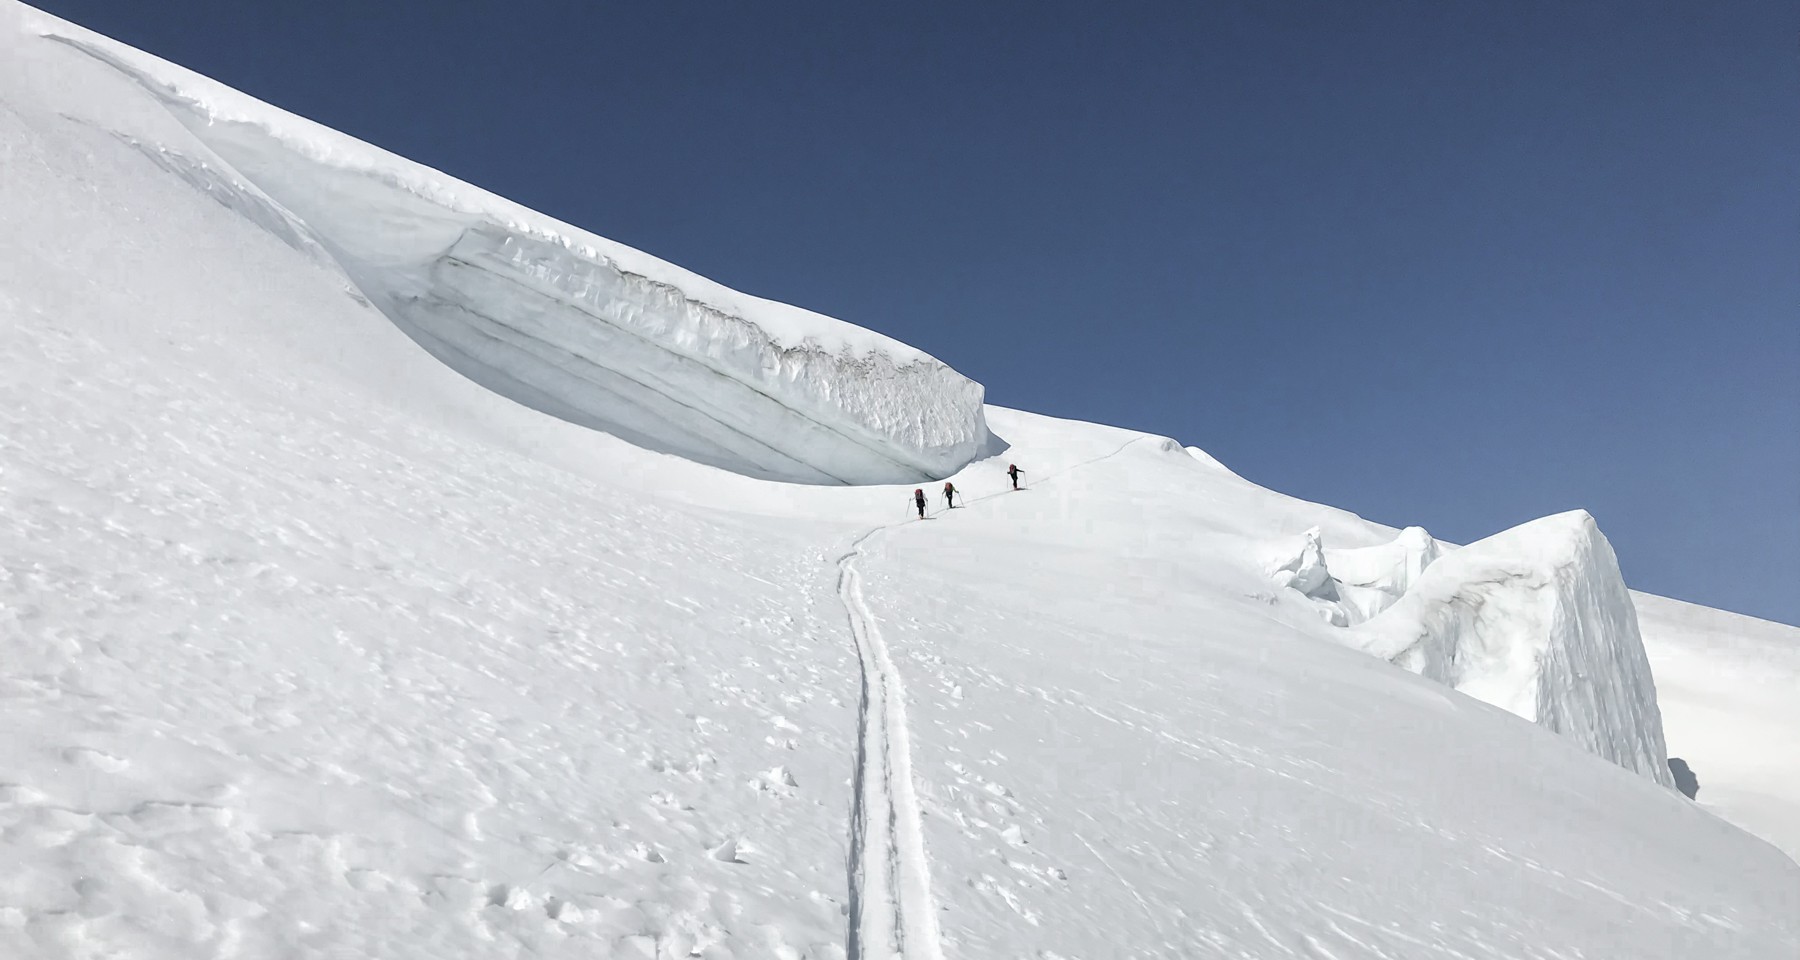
(919, 501)
(1013, 471)
(949, 495)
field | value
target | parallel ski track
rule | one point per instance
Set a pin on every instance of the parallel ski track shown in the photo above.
(892, 912)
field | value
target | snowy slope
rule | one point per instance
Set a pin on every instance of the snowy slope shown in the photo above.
(310, 646)
(556, 318)
(1729, 689)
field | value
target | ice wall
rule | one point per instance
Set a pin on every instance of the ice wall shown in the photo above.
(566, 322)
(1536, 620)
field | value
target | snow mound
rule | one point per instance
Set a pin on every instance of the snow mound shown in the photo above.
(566, 322)
(1535, 620)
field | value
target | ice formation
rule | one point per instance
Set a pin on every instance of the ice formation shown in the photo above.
(569, 323)
(1536, 620)
(1349, 586)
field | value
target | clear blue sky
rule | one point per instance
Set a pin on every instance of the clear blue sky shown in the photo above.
(1450, 264)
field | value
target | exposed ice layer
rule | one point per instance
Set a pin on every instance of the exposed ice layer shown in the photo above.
(576, 326)
(1536, 620)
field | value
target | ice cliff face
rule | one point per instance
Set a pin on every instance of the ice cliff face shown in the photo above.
(560, 320)
(1535, 620)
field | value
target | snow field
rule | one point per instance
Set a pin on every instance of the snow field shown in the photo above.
(1729, 690)
(1105, 728)
(289, 667)
(309, 645)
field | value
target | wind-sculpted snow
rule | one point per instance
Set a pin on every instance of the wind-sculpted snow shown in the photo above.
(1535, 620)
(569, 323)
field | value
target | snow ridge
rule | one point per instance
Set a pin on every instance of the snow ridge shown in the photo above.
(892, 913)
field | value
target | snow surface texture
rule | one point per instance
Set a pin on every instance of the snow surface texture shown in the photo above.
(1535, 620)
(566, 322)
(312, 647)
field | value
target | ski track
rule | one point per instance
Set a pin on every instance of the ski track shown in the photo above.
(892, 911)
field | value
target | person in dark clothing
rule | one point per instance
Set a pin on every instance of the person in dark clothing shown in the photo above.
(949, 494)
(1013, 471)
(919, 501)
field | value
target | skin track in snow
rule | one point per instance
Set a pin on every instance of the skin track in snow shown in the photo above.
(892, 913)
(891, 910)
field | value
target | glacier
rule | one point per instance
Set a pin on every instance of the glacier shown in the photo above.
(311, 645)
(566, 322)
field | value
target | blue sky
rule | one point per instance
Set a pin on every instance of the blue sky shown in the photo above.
(1457, 265)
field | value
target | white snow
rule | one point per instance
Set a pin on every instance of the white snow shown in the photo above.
(1371, 579)
(564, 321)
(1729, 689)
(310, 646)
(1535, 620)
(1350, 585)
